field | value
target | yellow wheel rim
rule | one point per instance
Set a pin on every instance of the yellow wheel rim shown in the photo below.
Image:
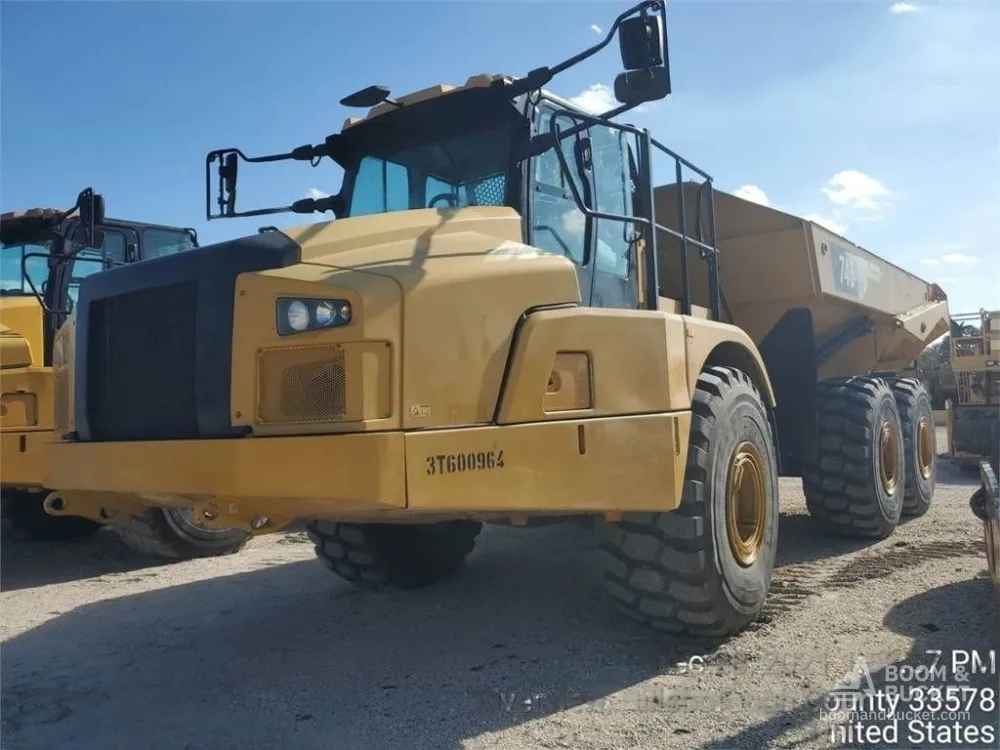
(925, 447)
(889, 449)
(745, 503)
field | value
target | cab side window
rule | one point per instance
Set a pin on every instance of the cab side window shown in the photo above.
(557, 225)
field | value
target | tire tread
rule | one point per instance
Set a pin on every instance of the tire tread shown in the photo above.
(676, 595)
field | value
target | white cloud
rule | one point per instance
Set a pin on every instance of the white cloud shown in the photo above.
(826, 222)
(574, 222)
(316, 194)
(856, 190)
(951, 259)
(596, 98)
(753, 194)
(595, 28)
(902, 7)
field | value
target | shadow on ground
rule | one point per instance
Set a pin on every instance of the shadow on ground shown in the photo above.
(201, 665)
(27, 563)
(956, 618)
(198, 665)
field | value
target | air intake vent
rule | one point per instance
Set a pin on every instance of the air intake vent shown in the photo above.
(302, 385)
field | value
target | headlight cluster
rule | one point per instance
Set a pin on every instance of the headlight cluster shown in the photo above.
(298, 315)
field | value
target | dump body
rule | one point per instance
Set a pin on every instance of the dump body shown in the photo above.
(772, 262)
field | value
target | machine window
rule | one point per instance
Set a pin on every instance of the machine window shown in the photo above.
(90, 260)
(157, 243)
(614, 196)
(488, 191)
(380, 186)
(558, 226)
(11, 279)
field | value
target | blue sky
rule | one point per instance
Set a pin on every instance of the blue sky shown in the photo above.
(880, 119)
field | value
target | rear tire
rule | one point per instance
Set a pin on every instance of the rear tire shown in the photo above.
(168, 533)
(394, 555)
(693, 571)
(27, 513)
(919, 444)
(855, 483)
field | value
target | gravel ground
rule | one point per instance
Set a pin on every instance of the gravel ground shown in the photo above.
(266, 649)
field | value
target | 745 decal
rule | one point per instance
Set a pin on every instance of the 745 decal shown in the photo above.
(453, 463)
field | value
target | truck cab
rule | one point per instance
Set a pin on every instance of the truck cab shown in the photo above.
(46, 254)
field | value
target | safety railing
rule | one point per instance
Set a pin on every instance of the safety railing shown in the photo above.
(646, 217)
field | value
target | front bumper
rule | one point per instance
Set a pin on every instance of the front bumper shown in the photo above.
(22, 458)
(604, 465)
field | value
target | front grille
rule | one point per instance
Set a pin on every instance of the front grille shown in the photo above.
(298, 385)
(141, 364)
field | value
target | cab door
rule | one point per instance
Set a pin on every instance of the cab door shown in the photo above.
(556, 224)
(616, 282)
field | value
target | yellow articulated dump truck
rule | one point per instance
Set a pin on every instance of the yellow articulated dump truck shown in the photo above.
(46, 255)
(503, 321)
(973, 415)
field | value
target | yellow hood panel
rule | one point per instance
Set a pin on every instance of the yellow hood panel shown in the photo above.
(20, 332)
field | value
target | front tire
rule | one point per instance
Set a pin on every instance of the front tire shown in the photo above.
(705, 568)
(170, 534)
(855, 483)
(27, 513)
(394, 555)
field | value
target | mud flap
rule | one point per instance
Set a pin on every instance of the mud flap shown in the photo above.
(794, 375)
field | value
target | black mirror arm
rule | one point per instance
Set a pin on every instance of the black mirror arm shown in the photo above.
(580, 57)
(226, 199)
(541, 76)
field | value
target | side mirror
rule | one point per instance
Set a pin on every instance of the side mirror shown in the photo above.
(642, 43)
(367, 97)
(91, 206)
(228, 171)
(638, 86)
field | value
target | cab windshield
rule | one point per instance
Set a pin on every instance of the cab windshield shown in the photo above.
(433, 154)
(36, 251)
(35, 255)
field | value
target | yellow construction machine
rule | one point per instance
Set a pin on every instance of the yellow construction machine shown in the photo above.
(973, 416)
(46, 254)
(505, 322)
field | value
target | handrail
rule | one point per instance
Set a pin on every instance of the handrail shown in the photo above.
(708, 252)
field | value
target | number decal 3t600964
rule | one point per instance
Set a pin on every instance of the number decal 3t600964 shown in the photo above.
(454, 463)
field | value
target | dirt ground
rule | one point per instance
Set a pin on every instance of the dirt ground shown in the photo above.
(266, 649)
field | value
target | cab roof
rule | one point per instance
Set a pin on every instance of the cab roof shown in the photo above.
(482, 80)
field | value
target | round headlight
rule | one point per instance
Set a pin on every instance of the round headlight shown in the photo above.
(325, 314)
(297, 316)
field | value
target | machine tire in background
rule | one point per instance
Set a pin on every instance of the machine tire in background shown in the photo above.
(705, 568)
(406, 556)
(919, 444)
(27, 513)
(169, 533)
(856, 481)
